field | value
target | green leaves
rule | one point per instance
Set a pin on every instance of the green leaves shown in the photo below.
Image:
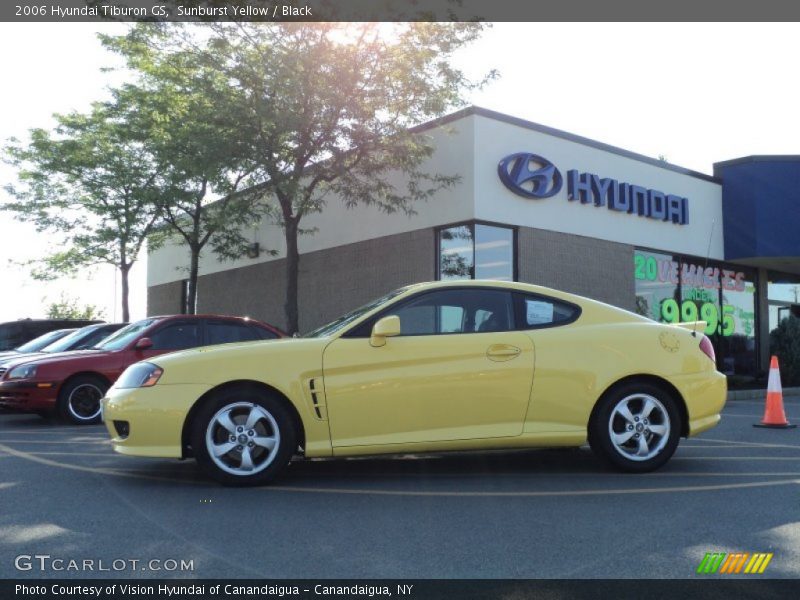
(93, 181)
(228, 123)
(784, 341)
(68, 308)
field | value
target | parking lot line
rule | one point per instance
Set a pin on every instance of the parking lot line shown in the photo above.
(756, 444)
(685, 446)
(55, 431)
(794, 458)
(727, 414)
(105, 454)
(422, 493)
(95, 442)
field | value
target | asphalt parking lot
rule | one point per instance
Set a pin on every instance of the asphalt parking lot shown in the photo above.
(525, 514)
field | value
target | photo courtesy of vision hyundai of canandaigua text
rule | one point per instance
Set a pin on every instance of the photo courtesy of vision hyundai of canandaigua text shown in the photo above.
(460, 365)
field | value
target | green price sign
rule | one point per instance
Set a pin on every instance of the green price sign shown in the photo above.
(723, 323)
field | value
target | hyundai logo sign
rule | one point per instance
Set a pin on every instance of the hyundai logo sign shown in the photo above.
(530, 175)
(533, 176)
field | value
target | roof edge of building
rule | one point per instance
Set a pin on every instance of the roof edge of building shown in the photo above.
(758, 158)
(498, 116)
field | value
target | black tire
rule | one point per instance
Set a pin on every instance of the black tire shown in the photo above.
(628, 455)
(275, 421)
(79, 400)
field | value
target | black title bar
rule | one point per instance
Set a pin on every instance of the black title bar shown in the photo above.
(706, 587)
(398, 10)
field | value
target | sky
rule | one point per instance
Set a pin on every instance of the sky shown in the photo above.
(694, 93)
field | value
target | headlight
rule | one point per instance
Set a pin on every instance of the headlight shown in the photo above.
(22, 372)
(141, 374)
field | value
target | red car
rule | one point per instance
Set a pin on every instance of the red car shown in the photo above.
(71, 384)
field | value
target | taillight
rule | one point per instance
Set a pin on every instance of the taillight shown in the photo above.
(708, 349)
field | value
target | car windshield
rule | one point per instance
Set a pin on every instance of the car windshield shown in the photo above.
(77, 340)
(353, 315)
(40, 342)
(125, 335)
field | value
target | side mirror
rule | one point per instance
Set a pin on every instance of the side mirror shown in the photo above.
(144, 344)
(386, 327)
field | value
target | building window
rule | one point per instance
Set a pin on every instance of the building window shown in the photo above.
(656, 291)
(783, 297)
(456, 253)
(476, 251)
(675, 289)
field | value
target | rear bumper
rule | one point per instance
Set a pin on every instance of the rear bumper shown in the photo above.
(705, 395)
(28, 396)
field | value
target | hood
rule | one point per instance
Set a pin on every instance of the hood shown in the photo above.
(58, 357)
(231, 351)
(249, 360)
(10, 361)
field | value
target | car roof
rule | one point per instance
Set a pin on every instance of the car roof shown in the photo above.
(195, 316)
(492, 283)
(257, 322)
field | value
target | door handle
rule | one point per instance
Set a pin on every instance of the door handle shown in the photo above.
(500, 352)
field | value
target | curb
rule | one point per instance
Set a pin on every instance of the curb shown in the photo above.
(792, 392)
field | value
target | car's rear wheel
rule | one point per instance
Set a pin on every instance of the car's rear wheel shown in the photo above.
(243, 436)
(636, 427)
(79, 400)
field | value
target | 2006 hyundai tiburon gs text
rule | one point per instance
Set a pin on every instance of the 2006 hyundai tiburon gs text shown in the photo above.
(429, 367)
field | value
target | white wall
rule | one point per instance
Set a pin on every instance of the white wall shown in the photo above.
(495, 140)
(338, 225)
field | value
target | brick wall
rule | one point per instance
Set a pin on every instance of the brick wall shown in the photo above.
(332, 281)
(164, 299)
(581, 265)
(336, 280)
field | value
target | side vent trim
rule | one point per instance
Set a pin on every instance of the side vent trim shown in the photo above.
(316, 393)
(314, 399)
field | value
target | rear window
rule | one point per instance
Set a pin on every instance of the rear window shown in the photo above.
(229, 333)
(42, 341)
(533, 312)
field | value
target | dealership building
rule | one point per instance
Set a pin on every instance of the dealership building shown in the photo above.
(540, 205)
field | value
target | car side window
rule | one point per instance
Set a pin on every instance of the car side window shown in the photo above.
(539, 311)
(455, 311)
(97, 336)
(177, 336)
(228, 333)
(263, 334)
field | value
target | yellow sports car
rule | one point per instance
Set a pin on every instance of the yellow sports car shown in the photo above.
(439, 366)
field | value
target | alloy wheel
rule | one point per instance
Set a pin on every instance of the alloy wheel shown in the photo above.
(639, 427)
(242, 438)
(83, 402)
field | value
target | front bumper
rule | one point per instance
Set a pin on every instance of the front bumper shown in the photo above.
(28, 396)
(154, 415)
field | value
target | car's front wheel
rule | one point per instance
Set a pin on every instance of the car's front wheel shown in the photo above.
(243, 436)
(79, 400)
(636, 428)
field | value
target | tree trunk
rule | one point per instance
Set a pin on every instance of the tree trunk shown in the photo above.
(292, 275)
(191, 299)
(126, 313)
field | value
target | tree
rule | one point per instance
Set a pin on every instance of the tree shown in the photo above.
(321, 109)
(195, 137)
(93, 181)
(784, 342)
(68, 308)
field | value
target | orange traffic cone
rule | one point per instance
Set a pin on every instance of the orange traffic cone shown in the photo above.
(774, 417)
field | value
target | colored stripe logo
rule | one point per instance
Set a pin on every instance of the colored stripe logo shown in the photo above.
(734, 564)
